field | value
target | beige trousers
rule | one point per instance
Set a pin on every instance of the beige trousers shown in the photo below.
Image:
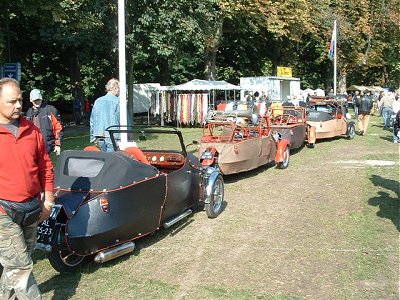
(16, 246)
(363, 121)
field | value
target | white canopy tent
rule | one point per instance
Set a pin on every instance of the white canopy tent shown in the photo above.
(204, 85)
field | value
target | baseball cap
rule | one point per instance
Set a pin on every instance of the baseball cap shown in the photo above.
(35, 94)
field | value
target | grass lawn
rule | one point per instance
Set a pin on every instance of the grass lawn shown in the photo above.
(325, 228)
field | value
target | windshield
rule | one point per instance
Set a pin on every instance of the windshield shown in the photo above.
(150, 138)
(222, 131)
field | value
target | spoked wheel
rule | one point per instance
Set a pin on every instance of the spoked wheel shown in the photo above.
(64, 261)
(214, 208)
(351, 131)
(285, 163)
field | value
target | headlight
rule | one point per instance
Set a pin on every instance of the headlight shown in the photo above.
(207, 155)
(276, 136)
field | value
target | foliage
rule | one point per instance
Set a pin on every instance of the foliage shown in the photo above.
(67, 46)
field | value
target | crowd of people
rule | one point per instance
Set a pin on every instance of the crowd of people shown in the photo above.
(385, 104)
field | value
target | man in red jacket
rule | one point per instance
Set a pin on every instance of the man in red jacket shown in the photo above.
(25, 171)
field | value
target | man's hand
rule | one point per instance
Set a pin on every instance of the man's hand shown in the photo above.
(47, 205)
(57, 150)
(46, 211)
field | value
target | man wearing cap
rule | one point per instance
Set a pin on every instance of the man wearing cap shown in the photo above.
(47, 118)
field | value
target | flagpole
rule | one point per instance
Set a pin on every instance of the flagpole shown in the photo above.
(334, 59)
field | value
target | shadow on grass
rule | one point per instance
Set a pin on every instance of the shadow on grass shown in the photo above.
(387, 138)
(69, 283)
(388, 206)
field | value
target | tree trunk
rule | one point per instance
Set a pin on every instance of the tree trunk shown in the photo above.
(165, 75)
(209, 65)
(276, 57)
(342, 80)
(212, 44)
(75, 75)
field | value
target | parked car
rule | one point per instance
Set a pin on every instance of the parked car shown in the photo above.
(239, 141)
(289, 125)
(330, 118)
(105, 201)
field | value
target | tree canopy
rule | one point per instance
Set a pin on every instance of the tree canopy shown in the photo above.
(69, 47)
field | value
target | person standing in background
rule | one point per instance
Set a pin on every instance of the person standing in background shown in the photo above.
(396, 125)
(76, 108)
(364, 109)
(386, 108)
(395, 117)
(25, 171)
(105, 112)
(88, 110)
(355, 100)
(47, 118)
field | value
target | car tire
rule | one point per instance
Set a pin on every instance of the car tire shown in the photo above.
(286, 156)
(351, 131)
(65, 261)
(215, 207)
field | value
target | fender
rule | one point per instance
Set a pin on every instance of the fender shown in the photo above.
(210, 177)
(280, 151)
(311, 134)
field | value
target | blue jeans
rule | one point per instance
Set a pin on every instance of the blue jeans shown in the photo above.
(395, 137)
(105, 146)
(386, 114)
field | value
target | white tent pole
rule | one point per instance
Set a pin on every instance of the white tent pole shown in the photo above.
(122, 67)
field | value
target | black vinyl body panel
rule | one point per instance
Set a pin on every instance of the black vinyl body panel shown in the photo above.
(133, 211)
(97, 171)
(183, 190)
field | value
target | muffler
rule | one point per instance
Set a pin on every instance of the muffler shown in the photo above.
(112, 253)
(177, 219)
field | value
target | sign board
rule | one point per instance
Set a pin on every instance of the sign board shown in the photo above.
(12, 70)
(284, 72)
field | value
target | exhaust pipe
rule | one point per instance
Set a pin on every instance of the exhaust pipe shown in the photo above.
(112, 253)
(177, 219)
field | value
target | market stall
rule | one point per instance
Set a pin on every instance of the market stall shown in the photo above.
(188, 103)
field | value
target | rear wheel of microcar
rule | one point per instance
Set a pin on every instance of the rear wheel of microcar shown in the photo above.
(285, 163)
(351, 131)
(214, 208)
(65, 261)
